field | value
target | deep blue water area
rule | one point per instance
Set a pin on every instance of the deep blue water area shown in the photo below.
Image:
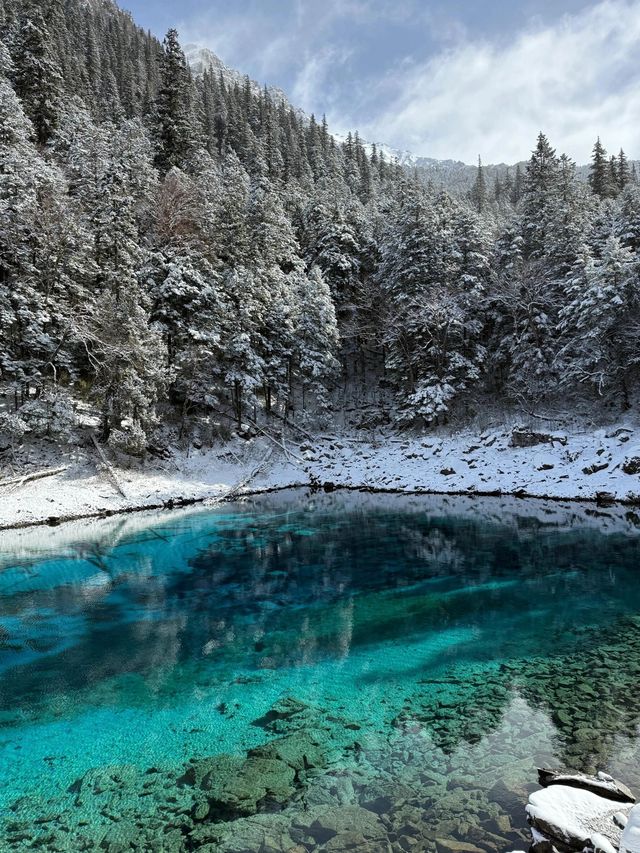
(300, 673)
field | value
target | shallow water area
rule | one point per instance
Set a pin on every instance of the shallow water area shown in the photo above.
(313, 672)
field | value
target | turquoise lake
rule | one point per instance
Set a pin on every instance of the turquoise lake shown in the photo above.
(299, 672)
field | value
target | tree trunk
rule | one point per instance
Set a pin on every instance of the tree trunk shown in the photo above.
(237, 394)
(105, 430)
(626, 403)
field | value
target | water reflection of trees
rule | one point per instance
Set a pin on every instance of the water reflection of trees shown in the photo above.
(293, 589)
(590, 696)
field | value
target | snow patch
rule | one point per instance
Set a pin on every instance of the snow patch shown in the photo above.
(465, 462)
(575, 817)
(630, 841)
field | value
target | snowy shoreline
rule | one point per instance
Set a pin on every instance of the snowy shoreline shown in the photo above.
(598, 466)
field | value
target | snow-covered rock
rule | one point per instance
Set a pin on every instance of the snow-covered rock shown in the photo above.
(601, 844)
(630, 841)
(602, 784)
(575, 818)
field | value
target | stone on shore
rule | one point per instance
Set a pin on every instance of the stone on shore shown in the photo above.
(574, 818)
(602, 784)
(630, 841)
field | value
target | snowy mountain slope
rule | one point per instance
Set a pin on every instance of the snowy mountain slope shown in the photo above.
(202, 59)
(452, 175)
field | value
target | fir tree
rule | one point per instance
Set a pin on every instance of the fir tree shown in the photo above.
(600, 171)
(37, 76)
(603, 294)
(479, 190)
(518, 186)
(175, 132)
(539, 196)
(623, 171)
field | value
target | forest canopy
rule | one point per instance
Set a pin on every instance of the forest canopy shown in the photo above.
(176, 246)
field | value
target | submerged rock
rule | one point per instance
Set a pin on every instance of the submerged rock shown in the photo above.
(349, 823)
(300, 751)
(285, 713)
(236, 787)
(449, 845)
(101, 780)
(507, 796)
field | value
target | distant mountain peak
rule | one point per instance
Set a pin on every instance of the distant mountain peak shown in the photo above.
(202, 59)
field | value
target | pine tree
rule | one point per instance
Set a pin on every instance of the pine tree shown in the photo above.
(530, 304)
(628, 225)
(125, 353)
(614, 178)
(600, 172)
(242, 367)
(315, 331)
(226, 221)
(518, 186)
(623, 171)
(507, 186)
(175, 132)
(433, 271)
(37, 76)
(7, 68)
(274, 241)
(479, 189)
(44, 267)
(603, 296)
(331, 243)
(187, 300)
(539, 196)
(569, 221)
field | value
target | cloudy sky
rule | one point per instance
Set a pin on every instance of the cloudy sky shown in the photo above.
(443, 78)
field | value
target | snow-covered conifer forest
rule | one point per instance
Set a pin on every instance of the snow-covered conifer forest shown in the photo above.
(180, 247)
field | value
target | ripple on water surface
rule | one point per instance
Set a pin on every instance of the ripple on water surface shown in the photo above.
(294, 672)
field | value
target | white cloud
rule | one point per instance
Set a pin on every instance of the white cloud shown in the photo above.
(314, 83)
(575, 80)
(252, 34)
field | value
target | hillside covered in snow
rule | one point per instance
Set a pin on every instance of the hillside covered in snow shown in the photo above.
(185, 256)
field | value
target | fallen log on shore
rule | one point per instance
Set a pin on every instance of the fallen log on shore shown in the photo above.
(36, 475)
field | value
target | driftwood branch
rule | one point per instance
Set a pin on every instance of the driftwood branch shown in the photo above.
(288, 454)
(244, 482)
(541, 417)
(109, 468)
(37, 475)
(559, 420)
(291, 425)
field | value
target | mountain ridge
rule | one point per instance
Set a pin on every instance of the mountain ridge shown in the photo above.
(201, 59)
(454, 175)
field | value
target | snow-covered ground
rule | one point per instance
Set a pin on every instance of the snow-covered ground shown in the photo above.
(578, 464)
